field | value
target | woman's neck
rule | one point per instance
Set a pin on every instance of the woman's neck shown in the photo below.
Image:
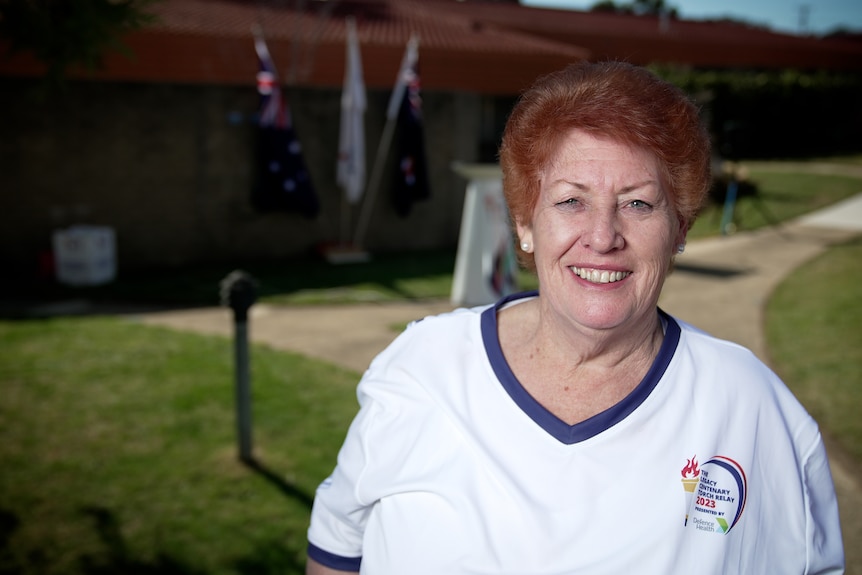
(574, 372)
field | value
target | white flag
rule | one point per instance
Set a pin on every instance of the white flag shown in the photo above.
(351, 142)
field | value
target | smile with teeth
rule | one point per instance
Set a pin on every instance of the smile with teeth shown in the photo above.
(599, 276)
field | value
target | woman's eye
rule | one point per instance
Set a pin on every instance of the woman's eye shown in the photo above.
(639, 204)
(568, 202)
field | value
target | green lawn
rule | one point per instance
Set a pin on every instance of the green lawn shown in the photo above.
(814, 334)
(119, 455)
(779, 197)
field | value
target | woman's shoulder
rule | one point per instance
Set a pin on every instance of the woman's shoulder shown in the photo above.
(428, 360)
(442, 323)
(433, 335)
(442, 346)
(733, 369)
(703, 342)
(448, 326)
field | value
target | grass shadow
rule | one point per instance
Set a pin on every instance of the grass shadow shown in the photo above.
(118, 559)
(273, 558)
(286, 488)
(711, 271)
(9, 524)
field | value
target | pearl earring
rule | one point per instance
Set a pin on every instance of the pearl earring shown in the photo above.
(680, 248)
(525, 246)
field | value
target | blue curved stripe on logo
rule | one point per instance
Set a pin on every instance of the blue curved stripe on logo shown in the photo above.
(740, 483)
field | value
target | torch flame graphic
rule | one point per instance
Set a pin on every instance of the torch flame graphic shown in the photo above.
(691, 470)
(690, 478)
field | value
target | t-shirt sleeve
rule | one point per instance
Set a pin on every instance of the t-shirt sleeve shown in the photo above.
(383, 433)
(339, 514)
(823, 530)
(388, 449)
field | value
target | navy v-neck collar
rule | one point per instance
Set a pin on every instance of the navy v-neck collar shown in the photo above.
(556, 427)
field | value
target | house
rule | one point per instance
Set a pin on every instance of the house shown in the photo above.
(159, 145)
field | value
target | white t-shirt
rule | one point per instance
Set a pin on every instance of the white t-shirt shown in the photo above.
(709, 466)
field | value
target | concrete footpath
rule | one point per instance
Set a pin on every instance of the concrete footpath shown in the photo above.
(719, 285)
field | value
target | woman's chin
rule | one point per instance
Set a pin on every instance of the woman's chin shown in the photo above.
(604, 317)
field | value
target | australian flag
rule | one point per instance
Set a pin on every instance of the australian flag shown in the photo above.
(282, 179)
(411, 174)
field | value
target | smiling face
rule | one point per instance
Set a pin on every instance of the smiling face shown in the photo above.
(603, 233)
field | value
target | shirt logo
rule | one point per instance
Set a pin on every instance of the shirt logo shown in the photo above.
(715, 493)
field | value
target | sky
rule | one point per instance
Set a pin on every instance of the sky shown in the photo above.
(823, 16)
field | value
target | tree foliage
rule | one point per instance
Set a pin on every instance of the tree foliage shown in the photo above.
(67, 33)
(640, 7)
(775, 113)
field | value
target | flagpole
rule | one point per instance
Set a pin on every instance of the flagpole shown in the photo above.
(374, 181)
(410, 55)
(345, 221)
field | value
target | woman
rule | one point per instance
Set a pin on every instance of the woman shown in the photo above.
(581, 429)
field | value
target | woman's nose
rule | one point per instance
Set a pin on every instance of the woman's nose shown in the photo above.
(603, 233)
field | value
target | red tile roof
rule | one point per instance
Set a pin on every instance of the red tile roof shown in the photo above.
(486, 47)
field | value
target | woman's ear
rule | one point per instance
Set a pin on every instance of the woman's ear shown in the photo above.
(525, 236)
(681, 235)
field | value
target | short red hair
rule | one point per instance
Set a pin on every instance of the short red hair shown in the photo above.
(614, 100)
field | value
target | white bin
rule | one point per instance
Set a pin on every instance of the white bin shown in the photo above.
(85, 255)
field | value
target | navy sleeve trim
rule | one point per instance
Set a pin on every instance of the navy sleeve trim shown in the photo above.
(333, 561)
(570, 434)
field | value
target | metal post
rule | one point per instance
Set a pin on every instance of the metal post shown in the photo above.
(238, 291)
(243, 391)
(727, 225)
(734, 132)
